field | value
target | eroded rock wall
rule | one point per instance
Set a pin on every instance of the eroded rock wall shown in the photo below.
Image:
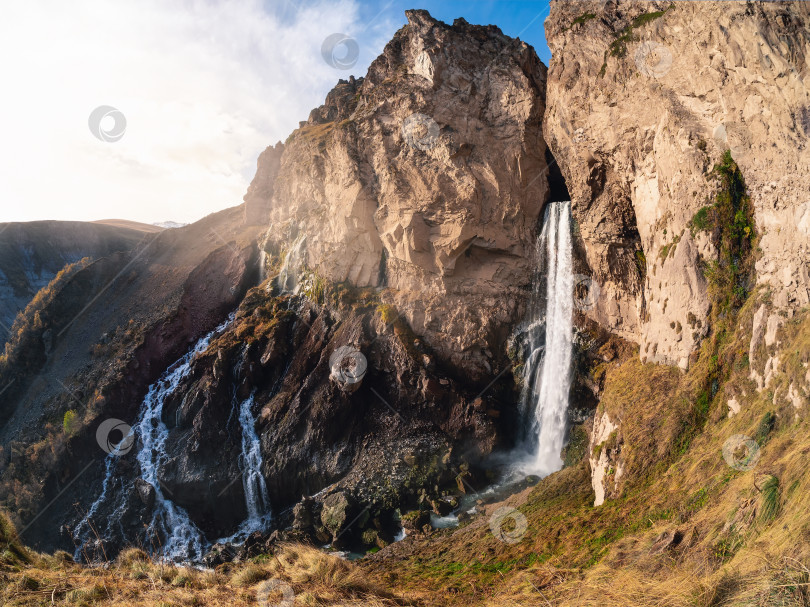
(427, 177)
(643, 98)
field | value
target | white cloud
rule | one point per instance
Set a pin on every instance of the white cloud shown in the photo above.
(204, 86)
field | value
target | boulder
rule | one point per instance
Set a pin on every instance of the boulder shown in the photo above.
(146, 492)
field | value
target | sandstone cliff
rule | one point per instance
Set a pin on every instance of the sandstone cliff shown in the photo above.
(426, 177)
(643, 98)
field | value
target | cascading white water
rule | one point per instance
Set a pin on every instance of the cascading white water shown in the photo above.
(291, 267)
(264, 258)
(184, 542)
(547, 374)
(257, 499)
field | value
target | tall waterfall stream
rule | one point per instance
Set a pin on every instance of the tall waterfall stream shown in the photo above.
(547, 374)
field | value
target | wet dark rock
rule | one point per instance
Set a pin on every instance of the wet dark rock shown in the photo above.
(219, 554)
(303, 518)
(441, 507)
(146, 493)
(415, 520)
(338, 512)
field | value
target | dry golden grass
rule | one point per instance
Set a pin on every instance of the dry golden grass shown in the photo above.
(314, 577)
(745, 533)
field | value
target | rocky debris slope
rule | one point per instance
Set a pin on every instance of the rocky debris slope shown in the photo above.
(31, 254)
(427, 176)
(643, 97)
(328, 433)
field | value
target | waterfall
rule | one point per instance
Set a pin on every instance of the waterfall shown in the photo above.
(257, 500)
(264, 258)
(256, 497)
(293, 261)
(547, 373)
(183, 540)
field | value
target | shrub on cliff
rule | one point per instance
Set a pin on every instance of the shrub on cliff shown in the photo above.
(33, 329)
(12, 552)
(730, 222)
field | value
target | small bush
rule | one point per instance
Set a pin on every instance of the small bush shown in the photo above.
(388, 313)
(582, 19)
(88, 594)
(765, 428)
(130, 556)
(12, 551)
(250, 576)
(700, 221)
(69, 422)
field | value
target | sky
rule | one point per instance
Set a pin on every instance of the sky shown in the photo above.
(156, 110)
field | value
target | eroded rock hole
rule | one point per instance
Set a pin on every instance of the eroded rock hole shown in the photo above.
(558, 190)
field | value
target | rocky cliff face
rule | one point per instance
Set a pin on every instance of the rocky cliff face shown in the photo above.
(643, 98)
(407, 208)
(427, 177)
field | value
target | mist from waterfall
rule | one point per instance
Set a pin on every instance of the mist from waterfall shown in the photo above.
(547, 372)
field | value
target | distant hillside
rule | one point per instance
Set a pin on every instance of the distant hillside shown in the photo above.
(31, 254)
(132, 225)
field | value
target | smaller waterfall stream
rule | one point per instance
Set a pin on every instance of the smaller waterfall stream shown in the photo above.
(257, 500)
(256, 497)
(264, 258)
(184, 542)
(291, 267)
(547, 374)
